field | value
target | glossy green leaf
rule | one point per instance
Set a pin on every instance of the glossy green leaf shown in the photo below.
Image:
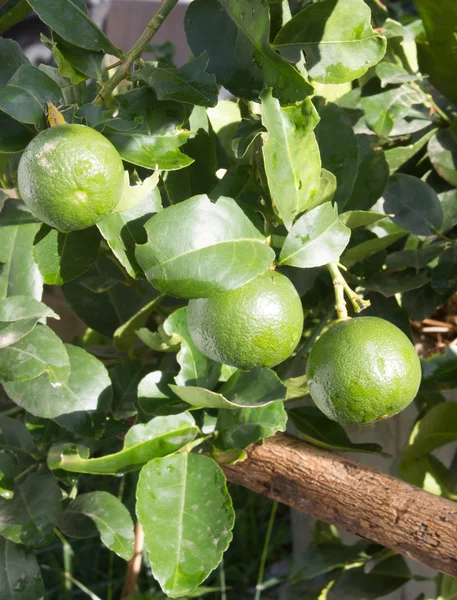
(25, 96)
(389, 284)
(370, 247)
(12, 59)
(87, 389)
(190, 83)
(76, 27)
(125, 378)
(207, 257)
(19, 315)
(196, 368)
(360, 218)
(125, 335)
(124, 230)
(242, 389)
(415, 259)
(37, 353)
(153, 144)
(31, 516)
(447, 587)
(385, 577)
(439, 371)
(16, 438)
(327, 188)
(421, 303)
(106, 302)
(428, 473)
(20, 275)
(437, 428)
(11, 12)
(316, 238)
(110, 516)
(235, 34)
(392, 73)
(372, 176)
(442, 150)
(245, 134)
(414, 205)
(317, 429)
(14, 137)
(155, 396)
(449, 205)
(291, 156)
(336, 35)
(297, 387)
(242, 427)
(396, 157)
(132, 195)
(61, 257)
(84, 63)
(381, 110)
(444, 274)
(187, 526)
(338, 147)
(157, 438)
(20, 575)
(438, 50)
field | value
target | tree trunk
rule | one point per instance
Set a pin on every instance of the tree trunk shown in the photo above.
(359, 499)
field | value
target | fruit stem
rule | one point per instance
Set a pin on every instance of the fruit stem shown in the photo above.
(338, 285)
(135, 51)
(341, 286)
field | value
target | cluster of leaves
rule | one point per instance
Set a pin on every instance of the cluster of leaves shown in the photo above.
(336, 147)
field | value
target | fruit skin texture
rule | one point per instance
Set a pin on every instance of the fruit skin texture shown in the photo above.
(254, 326)
(362, 370)
(70, 177)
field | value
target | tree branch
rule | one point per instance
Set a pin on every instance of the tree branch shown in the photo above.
(135, 51)
(357, 498)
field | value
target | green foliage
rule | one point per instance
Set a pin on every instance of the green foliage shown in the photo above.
(340, 147)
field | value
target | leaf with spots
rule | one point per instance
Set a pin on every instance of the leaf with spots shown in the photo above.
(187, 516)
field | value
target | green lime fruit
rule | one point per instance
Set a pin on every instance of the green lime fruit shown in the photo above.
(70, 177)
(254, 326)
(362, 370)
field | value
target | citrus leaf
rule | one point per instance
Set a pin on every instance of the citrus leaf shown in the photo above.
(415, 259)
(444, 274)
(389, 284)
(125, 378)
(316, 238)
(16, 438)
(244, 135)
(155, 396)
(14, 137)
(317, 429)
(370, 247)
(196, 368)
(31, 515)
(210, 256)
(61, 257)
(11, 12)
(110, 516)
(360, 218)
(132, 195)
(76, 27)
(189, 84)
(235, 34)
(442, 150)
(125, 335)
(25, 96)
(37, 353)
(396, 157)
(428, 473)
(155, 143)
(437, 428)
(414, 205)
(291, 155)
(157, 438)
(20, 275)
(13, 58)
(18, 316)
(87, 390)
(338, 147)
(86, 63)
(242, 389)
(438, 52)
(239, 428)
(439, 372)
(337, 38)
(187, 526)
(20, 575)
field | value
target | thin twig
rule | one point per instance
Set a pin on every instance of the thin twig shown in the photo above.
(134, 566)
(263, 560)
(135, 51)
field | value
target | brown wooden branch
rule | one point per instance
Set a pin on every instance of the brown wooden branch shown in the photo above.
(357, 498)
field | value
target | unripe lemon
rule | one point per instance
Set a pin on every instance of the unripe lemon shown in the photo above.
(70, 177)
(254, 326)
(362, 370)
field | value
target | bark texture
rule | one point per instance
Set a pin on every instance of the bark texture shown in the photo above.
(359, 499)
